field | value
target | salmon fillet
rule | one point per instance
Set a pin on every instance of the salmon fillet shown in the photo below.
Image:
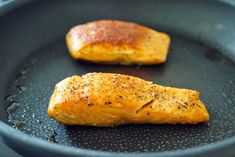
(120, 42)
(105, 99)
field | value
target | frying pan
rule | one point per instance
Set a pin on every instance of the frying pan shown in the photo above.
(33, 58)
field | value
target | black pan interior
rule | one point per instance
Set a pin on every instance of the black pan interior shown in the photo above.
(191, 64)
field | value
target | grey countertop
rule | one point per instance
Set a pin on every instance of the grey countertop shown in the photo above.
(5, 151)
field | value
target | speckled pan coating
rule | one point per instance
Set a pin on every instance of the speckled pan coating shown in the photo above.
(42, 71)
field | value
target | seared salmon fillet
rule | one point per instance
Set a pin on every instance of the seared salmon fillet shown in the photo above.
(108, 41)
(105, 99)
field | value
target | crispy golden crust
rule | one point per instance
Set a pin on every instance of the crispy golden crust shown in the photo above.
(117, 42)
(115, 32)
(103, 99)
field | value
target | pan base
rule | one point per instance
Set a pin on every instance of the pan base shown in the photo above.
(189, 65)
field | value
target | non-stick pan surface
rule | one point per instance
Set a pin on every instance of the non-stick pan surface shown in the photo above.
(33, 58)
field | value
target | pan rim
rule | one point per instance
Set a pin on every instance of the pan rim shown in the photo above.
(9, 132)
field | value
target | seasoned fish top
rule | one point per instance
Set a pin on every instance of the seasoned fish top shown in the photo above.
(105, 99)
(121, 42)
